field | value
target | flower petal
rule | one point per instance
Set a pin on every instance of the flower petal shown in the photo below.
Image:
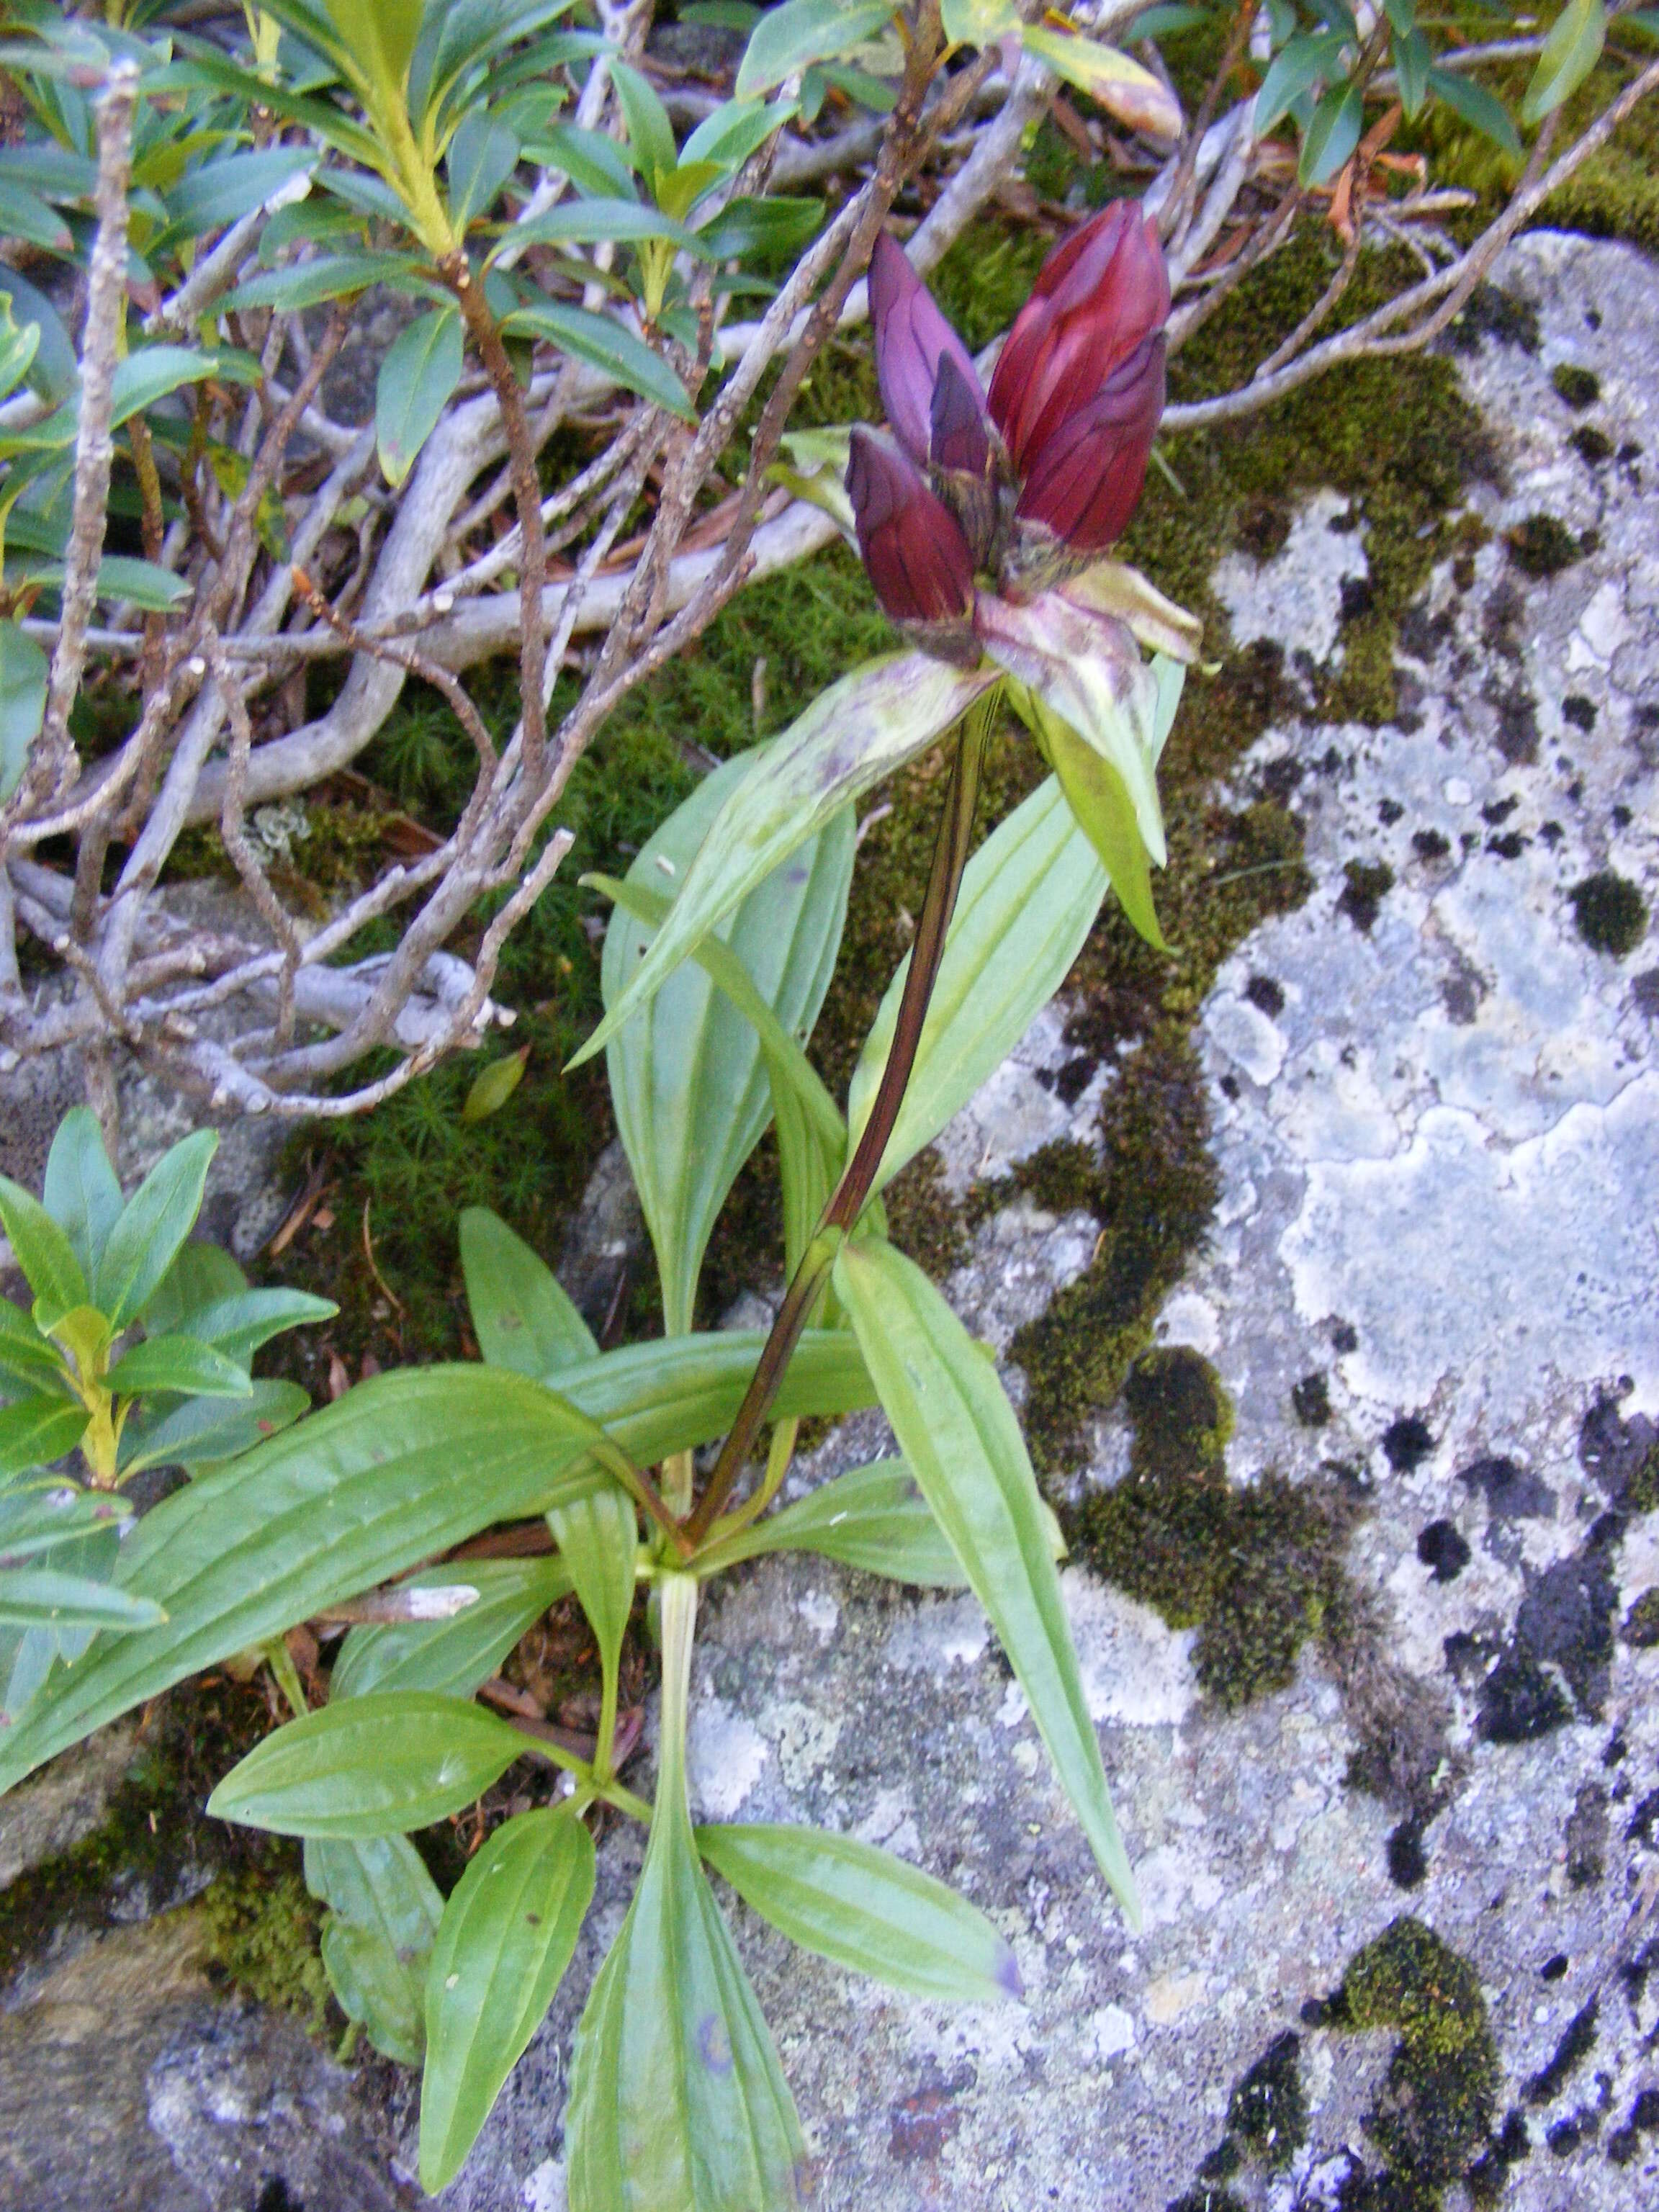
(912, 338)
(1088, 476)
(959, 437)
(911, 543)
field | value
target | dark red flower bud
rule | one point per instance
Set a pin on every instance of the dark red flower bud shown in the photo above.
(1088, 476)
(912, 340)
(1100, 295)
(911, 543)
(959, 436)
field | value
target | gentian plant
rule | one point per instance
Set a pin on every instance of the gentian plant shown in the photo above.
(985, 530)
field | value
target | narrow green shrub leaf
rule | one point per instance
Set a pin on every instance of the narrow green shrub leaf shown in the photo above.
(1413, 58)
(1029, 898)
(1570, 52)
(650, 133)
(152, 1224)
(203, 1274)
(676, 2097)
(23, 677)
(329, 276)
(41, 1598)
(598, 1540)
(1332, 134)
(179, 1363)
(1312, 58)
(802, 31)
(455, 1655)
(82, 1191)
(483, 155)
(687, 1078)
(28, 1363)
(417, 381)
(507, 1936)
(149, 374)
(1482, 110)
(1121, 86)
(853, 735)
(44, 1253)
(866, 1910)
(376, 1765)
(205, 1430)
(591, 221)
(238, 1325)
(223, 191)
(400, 1469)
(521, 1314)
(35, 1518)
(384, 1912)
(35, 1431)
(604, 345)
(961, 1436)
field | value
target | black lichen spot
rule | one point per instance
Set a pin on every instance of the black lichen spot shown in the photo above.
(1519, 1702)
(1518, 729)
(1554, 1967)
(1644, 991)
(1388, 811)
(1641, 1627)
(1587, 1836)
(1565, 1619)
(1261, 991)
(1441, 1547)
(1644, 2111)
(1577, 2041)
(1268, 2109)
(1493, 313)
(1311, 1400)
(1510, 846)
(1624, 2147)
(1593, 446)
(1541, 545)
(1643, 1828)
(1257, 1570)
(1408, 1862)
(1611, 913)
(1408, 1443)
(1357, 598)
(1437, 2101)
(1487, 2177)
(1579, 388)
(1369, 884)
(1564, 2138)
(1496, 811)
(1623, 1455)
(1345, 1338)
(1430, 844)
(1263, 526)
(1578, 710)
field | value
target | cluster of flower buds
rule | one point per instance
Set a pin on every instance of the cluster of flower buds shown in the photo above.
(1026, 485)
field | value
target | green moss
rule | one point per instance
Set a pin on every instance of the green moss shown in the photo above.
(1268, 2110)
(1642, 1622)
(1579, 388)
(1437, 2101)
(1642, 1491)
(262, 1929)
(1611, 913)
(1540, 545)
(1369, 884)
(1256, 1570)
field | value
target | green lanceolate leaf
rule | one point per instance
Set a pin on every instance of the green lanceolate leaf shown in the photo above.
(1121, 86)
(35, 1518)
(384, 1912)
(455, 1654)
(329, 276)
(1332, 134)
(604, 345)
(1570, 52)
(376, 1765)
(402, 1467)
(802, 31)
(42, 1597)
(598, 1540)
(507, 1936)
(28, 1362)
(1413, 58)
(416, 382)
(522, 1316)
(1099, 801)
(650, 133)
(1310, 59)
(35, 1431)
(676, 2097)
(962, 1437)
(687, 1077)
(853, 735)
(1481, 109)
(493, 1085)
(1029, 898)
(238, 1324)
(483, 155)
(872, 1517)
(866, 1910)
(81, 1191)
(179, 1363)
(44, 1253)
(203, 1274)
(155, 1222)
(23, 675)
(205, 1430)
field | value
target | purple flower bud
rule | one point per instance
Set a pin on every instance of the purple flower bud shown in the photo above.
(912, 340)
(1087, 477)
(1101, 294)
(911, 543)
(959, 437)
